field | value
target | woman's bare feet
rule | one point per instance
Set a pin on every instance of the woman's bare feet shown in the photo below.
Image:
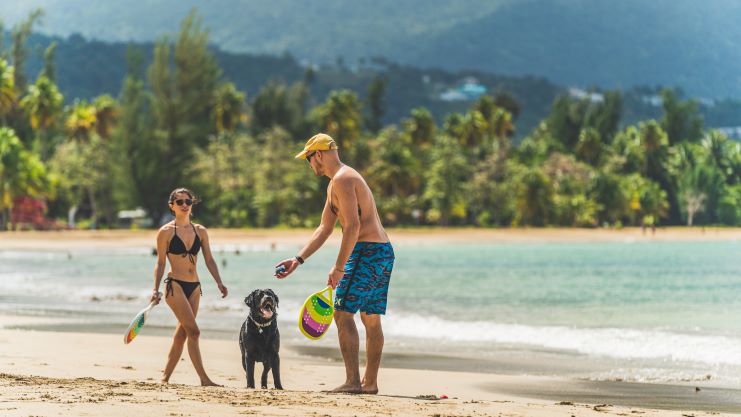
(347, 388)
(210, 383)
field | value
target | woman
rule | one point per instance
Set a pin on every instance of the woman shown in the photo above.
(180, 241)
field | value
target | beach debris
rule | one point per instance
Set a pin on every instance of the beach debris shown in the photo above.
(601, 407)
(427, 397)
(443, 397)
(697, 389)
(128, 368)
(564, 403)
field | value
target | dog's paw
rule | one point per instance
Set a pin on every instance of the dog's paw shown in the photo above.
(264, 387)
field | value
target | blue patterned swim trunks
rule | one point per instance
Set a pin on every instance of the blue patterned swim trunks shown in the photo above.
(365, 286)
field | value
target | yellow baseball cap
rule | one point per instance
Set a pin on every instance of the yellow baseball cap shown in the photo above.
(318, 142)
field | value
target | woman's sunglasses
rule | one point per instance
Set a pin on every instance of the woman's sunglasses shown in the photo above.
(187, 201)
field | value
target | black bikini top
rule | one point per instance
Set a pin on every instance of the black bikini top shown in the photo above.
(177, 246)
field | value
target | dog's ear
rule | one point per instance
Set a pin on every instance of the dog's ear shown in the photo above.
(249, 300)
(274, 295)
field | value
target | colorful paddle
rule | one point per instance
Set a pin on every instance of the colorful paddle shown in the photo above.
(136, 324)
(316, 314)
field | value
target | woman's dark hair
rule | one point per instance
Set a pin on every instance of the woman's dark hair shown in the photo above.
(175, 192)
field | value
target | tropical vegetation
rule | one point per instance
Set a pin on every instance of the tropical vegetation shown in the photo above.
(179, 122)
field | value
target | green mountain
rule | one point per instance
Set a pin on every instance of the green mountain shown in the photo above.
(686, 43)
(85, 69)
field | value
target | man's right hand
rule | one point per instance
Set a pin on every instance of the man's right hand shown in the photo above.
(290, 265)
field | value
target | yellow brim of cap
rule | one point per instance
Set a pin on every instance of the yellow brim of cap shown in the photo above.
(302, 154)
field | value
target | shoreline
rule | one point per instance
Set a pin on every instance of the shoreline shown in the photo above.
(74, 379)
(270, 239)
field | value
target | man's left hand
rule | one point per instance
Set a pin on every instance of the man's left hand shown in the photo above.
(335, 275)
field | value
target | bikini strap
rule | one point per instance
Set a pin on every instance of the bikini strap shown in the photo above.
(196, 233)
(168, 287)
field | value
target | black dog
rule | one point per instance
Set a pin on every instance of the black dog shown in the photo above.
(259, 339)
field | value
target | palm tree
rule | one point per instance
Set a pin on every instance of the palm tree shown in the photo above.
(228, 107)
(654, 142)
(473, 129)
(395, 174)
(81, 121)
(42, 103)
(534, 198)
(500, 124)
(447, 171)
(589, 147)
(341, 117)
(7, 88)
(106, 113)
(421, 126)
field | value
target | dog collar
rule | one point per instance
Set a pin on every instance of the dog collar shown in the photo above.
(260, 325)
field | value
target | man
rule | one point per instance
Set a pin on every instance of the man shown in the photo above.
(362, 271)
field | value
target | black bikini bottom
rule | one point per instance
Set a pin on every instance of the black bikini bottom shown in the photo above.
(187, 286)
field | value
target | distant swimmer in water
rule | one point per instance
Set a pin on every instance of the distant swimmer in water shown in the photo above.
(180, 241)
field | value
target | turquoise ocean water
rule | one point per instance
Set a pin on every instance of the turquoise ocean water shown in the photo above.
(646, 311)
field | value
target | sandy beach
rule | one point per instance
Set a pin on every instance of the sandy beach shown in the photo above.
(76, 372)
(234, 238)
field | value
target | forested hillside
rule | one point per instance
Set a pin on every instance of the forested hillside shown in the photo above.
(610, 44)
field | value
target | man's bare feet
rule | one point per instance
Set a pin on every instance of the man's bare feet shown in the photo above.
(164, 381)
(369, 389)
(347, 388)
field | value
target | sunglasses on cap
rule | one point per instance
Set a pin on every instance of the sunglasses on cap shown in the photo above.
(187, 201)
